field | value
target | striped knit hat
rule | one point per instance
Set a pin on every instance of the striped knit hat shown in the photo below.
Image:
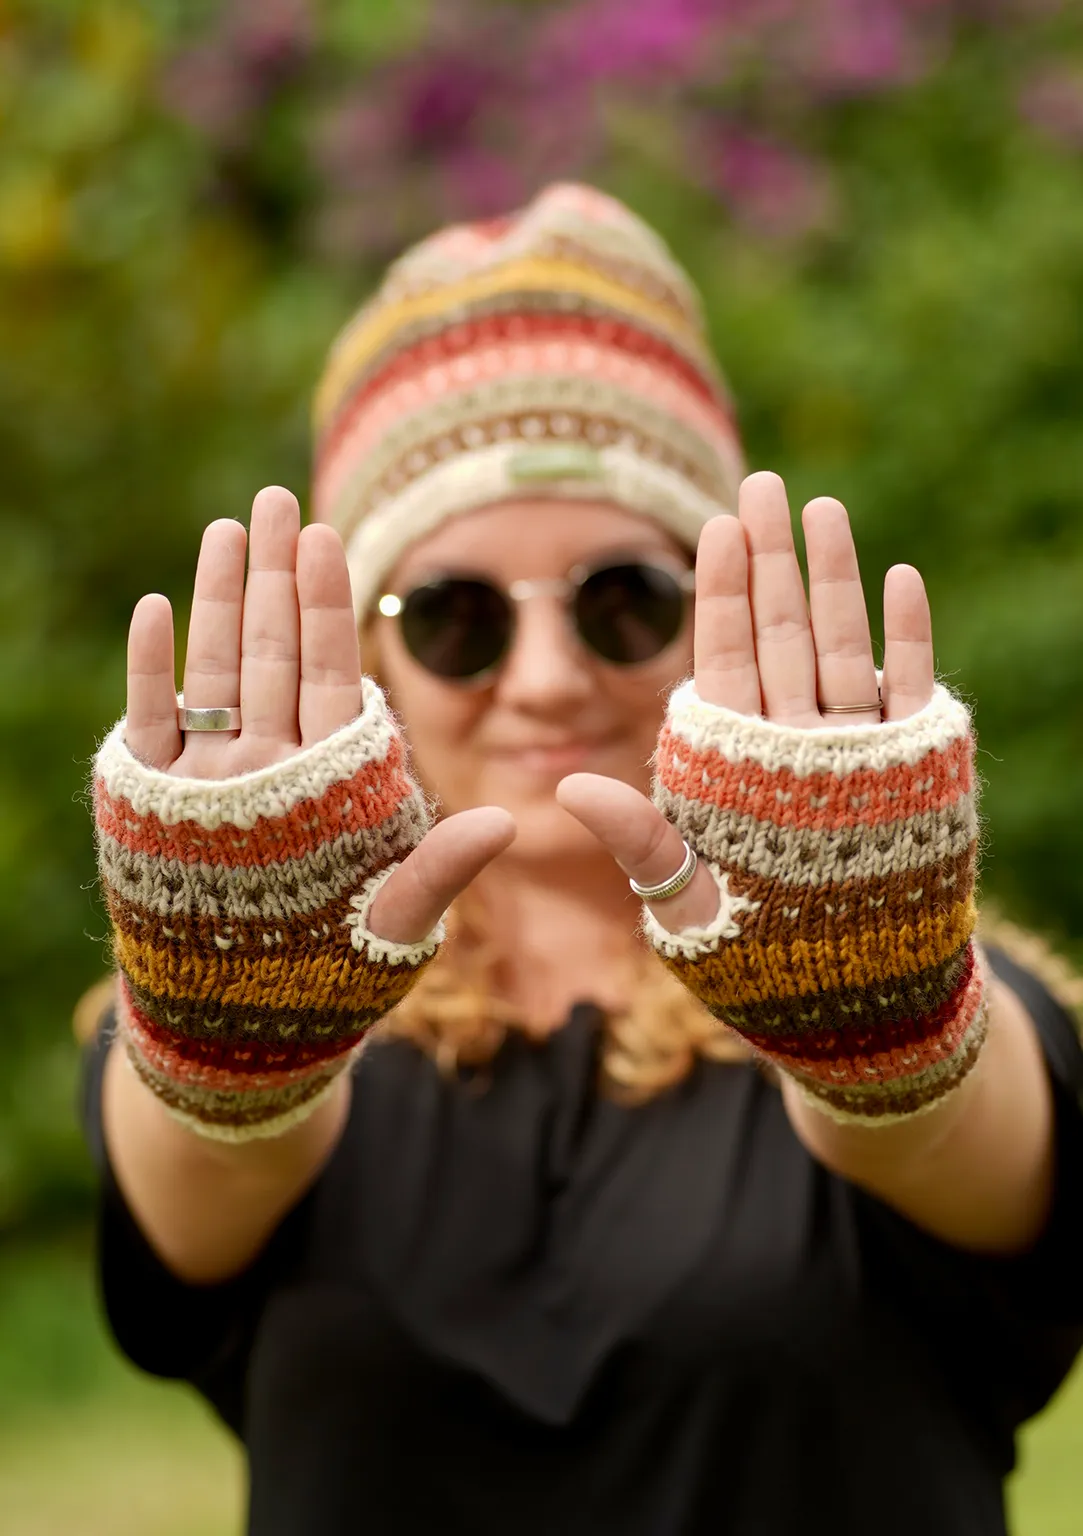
(557, 352)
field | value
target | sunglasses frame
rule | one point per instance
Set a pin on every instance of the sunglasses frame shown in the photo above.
(392, 604)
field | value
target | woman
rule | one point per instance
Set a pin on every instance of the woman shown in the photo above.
(776, 1236)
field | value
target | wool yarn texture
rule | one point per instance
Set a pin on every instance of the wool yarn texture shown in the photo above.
(558, 353)
(248, 974)
(843, 950)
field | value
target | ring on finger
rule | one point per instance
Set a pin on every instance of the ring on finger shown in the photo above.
(877, 707)
(667, 888)
(216, 717)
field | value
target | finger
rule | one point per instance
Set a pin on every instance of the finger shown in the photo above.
(908, 644)
(780, 621)
(643, 843)
(845, 670)
(212, 664)
(151, 724)
(726, 671)
(330, 693)
(440, 868)
(271, 631)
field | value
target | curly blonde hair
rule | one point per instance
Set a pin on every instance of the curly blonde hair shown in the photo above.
(456, 1015)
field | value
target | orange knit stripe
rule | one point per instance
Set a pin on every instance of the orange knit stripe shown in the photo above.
(357, 804)
(784, 799)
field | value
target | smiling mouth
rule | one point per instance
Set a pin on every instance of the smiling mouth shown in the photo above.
(562, 756)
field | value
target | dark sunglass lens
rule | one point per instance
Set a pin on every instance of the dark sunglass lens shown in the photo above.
(630, 613)
(456, 627)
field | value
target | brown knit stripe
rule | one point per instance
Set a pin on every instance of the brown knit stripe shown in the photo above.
(764, 969)
(812, 856)
(870, 1005)
(859, 1051)
(325, 928)
(243, 1052)
(906, 1095)
(336, 980)
(236, 1022)
(853, 905)
(516, 393)
(483, 417)
(231, 1111)
(631, 272)
(274, 892)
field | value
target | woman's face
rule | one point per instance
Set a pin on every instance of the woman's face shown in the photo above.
(551, 707)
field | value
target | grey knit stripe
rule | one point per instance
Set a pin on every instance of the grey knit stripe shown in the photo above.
(270, 892)
(804, 856)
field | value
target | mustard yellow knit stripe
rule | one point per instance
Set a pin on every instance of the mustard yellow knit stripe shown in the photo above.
(530, 274)
(746, 970)
(337, 979)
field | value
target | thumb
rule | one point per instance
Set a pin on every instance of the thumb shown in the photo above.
(645, 845)
(414, 898)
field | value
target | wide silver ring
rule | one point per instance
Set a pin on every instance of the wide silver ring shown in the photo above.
(670, 887)
(221, 718)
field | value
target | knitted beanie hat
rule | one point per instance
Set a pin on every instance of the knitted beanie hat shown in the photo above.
(558, 352)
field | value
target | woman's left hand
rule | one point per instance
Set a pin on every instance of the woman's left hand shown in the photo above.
(762, 648)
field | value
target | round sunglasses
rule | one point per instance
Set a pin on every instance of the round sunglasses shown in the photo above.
(460, 627)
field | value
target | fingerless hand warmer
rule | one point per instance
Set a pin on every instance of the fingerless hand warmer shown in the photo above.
(248, 974)
(845, 861)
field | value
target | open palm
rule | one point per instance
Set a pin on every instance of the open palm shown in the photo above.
(762, 647)
(283, 645)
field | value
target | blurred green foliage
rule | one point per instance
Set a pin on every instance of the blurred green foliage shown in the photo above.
(170, 277)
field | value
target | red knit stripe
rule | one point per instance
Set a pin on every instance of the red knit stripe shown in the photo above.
(223, 1066)
(516, 326)
(820, 801)
(885, 1052)
(367, 800)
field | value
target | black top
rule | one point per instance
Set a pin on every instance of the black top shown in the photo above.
(509, 1305)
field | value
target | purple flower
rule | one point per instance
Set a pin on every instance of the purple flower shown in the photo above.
(441, 99)
(612, 39)
(207, 88)
(479, 184)
(271, 37)
(1052, 101)
(770, 187)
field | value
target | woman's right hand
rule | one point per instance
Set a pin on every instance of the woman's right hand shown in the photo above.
(283, 645)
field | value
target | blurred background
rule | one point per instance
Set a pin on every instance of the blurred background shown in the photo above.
(882, 202)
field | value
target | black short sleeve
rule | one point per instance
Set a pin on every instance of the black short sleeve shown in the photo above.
(167, 1327)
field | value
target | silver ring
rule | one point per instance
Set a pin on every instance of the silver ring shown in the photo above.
(215, 719)
(670, 887)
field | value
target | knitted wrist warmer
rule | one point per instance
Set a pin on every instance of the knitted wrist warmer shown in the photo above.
(239, 907)
(845, 861)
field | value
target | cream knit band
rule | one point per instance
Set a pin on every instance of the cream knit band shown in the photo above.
(557, 354)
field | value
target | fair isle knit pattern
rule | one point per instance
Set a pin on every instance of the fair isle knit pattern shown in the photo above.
(248, 974)
(559, 350)
(845, 861)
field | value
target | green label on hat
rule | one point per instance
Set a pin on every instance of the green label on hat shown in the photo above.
(556, 461)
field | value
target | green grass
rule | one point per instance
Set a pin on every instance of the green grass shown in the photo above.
(89, 1445)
